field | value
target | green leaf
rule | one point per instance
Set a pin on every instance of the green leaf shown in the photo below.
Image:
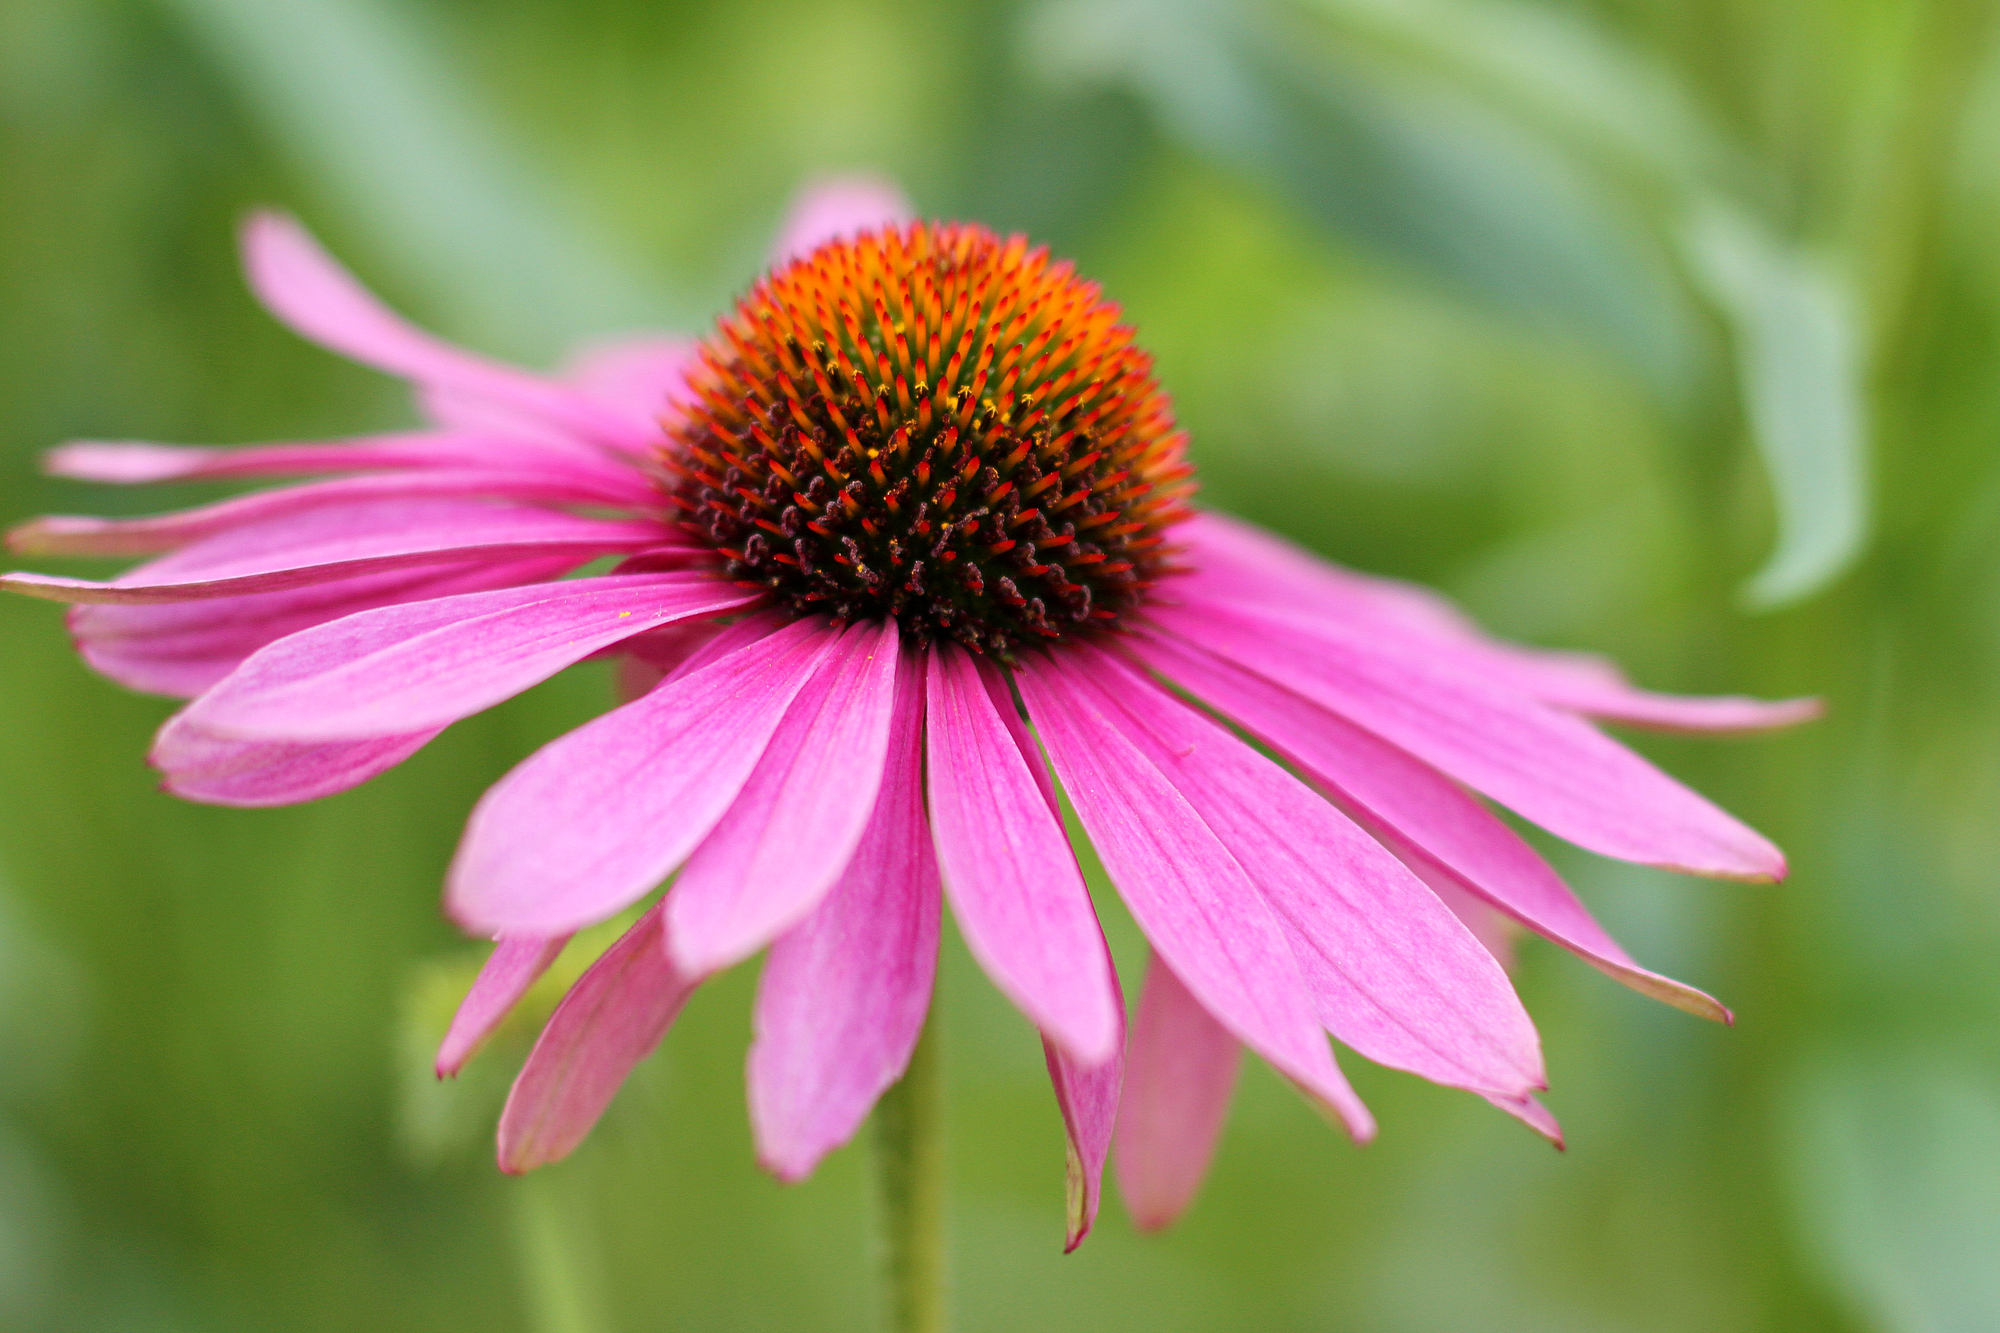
(1895, 1173)
(1403, 161)
(388, 133)
(1800, 362)
(1556, 70)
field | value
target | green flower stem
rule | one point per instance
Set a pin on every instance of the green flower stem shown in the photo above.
(555, 1252)
(909, 1172)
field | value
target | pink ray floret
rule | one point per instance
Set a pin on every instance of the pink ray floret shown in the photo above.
(901, 568)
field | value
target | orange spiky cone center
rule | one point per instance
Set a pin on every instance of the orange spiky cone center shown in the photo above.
(933, 423)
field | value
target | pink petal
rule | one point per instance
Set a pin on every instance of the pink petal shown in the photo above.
(72, 535)
(590, 822)
(304, 287)
(1015, 888)
(512, 967)
(1494, 929)
(338, 542)
(132, 463)
(1197, 906)
(795, 824)
(838, 208)
(426, 664)
(1180, 1069)
(1671, 712)
(640, 377)
(611, 1019)
(1436, 824)
(844, 993)
(1087, 1096)
(1548, 766)
(1533, 1114)
(1393, 973)
(1237, 564)
(220, 771)
(181, 649)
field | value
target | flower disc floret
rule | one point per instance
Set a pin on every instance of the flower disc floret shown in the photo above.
(937, 424)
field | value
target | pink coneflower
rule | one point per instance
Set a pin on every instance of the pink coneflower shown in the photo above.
(903, 551)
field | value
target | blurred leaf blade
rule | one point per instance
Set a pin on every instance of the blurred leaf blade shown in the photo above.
(1556, 69)
(1400, 162)
(381, 124)
(1896, 1190)
(1801, 365)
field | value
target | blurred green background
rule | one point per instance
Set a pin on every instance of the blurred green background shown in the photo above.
(1665, 327)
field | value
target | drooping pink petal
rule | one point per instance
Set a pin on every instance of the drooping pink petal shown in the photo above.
(1547, 766)
(1233, 561)
(65, 534)
(1392, 972)
(1530, 1112)
(1669, 712)
(512, 967)
(137, 462)
(134, 462)
(341, 541)
(611, 1019)
(838, 208)
(1430, 820)
(304, 287)
(1494, 929)
(1196, 905)
(1237, 564)
(1087, 1096)
(180, 649)
(1180, 1069)
(590, 822)
(844, 993)
(640, 377)
(426, 664)
(795, 824)
(1014, 885)
(218, 770)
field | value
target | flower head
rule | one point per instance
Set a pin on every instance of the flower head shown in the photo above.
(913, 518)
(933, 424)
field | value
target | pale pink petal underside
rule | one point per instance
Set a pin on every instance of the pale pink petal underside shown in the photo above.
(217, 770)
(592, 821)
(1530, 1112)
(1180, 1069)
(512, 967)
(1015, 888)
(132, 462)
(795, 824)
(341, 541)
(1196, 905)
(64, 534)
(425, 664)
(611, 1019)
(180, 649)
(844, 993)
(838, 208)
(640, 377)
(1495, 930)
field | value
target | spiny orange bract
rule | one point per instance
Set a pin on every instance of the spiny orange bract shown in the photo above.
(933, 423)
